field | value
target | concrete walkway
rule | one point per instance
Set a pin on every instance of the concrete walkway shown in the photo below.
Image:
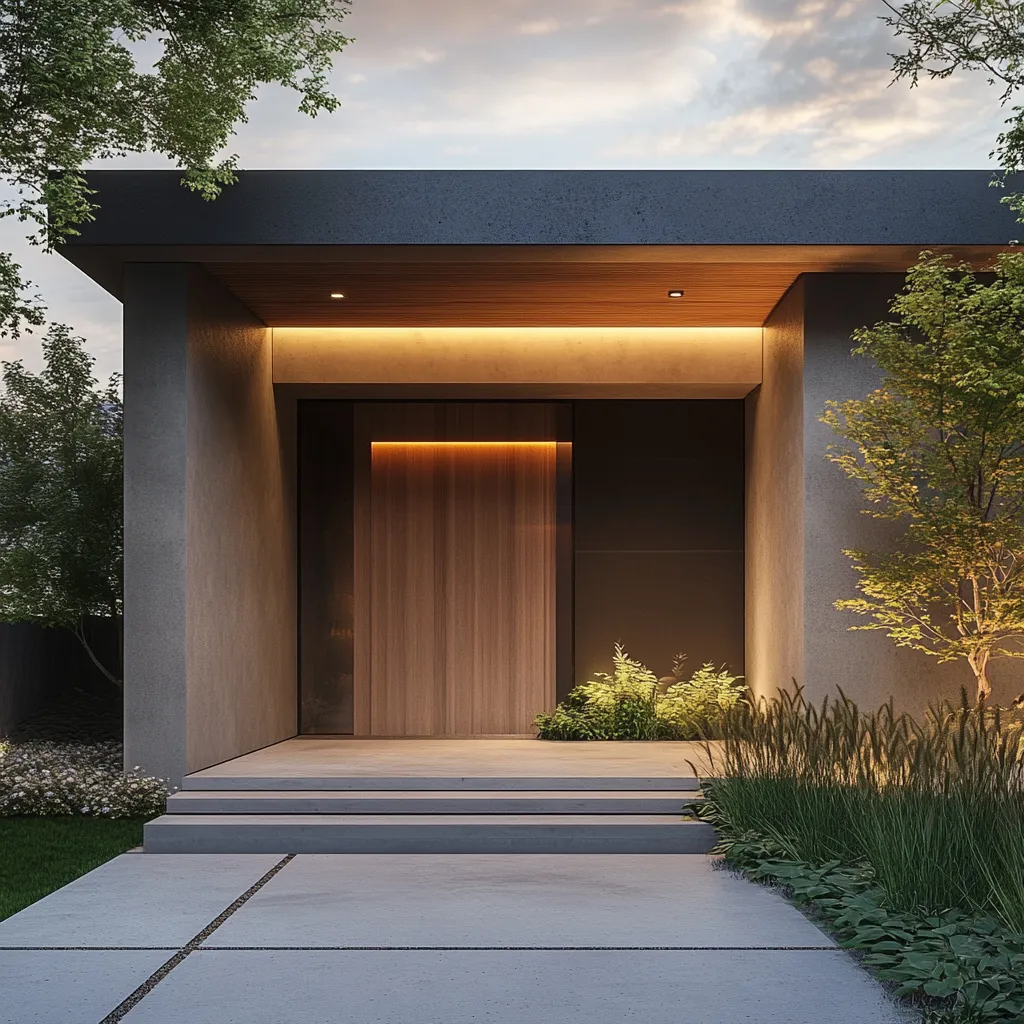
(352, 939)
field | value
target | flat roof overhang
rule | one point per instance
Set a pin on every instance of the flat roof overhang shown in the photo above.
(535, 248)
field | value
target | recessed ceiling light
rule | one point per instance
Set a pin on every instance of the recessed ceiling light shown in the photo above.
(676, 293)
(337, 295)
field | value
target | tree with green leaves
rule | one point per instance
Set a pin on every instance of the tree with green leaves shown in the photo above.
(60, 493)
(85, 80)
(939, 449)
(944, 37)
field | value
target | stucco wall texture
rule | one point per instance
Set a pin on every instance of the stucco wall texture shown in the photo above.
(774, 414)
(688, 362)
(802, 513)
(209, 549)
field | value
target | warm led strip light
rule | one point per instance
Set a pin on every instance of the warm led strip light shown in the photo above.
(464, 444)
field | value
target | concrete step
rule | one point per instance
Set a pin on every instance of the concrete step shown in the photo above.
(435, 833)
(489, 783)
(430, 802)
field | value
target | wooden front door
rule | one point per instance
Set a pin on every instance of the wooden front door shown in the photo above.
(459, 587)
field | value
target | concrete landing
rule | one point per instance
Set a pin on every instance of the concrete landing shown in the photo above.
(424, 940)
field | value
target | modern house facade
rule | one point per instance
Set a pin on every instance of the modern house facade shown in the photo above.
(406, 453)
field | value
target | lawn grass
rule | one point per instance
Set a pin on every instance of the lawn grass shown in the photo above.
(39, 855)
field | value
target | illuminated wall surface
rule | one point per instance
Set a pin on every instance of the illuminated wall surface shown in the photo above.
(722, 362)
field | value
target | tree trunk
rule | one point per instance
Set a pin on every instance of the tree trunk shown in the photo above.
(79, 632)
(978, 661)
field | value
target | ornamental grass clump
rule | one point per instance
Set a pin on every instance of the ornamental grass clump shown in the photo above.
(39, 778)
(934, 808)
(630, 704)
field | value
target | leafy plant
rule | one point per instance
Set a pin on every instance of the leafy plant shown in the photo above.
(695, 707)
(939, 450)
(60, 494)
(74, 89)
(959, 967)
(608, 707)
(629, 704)
(947, 36)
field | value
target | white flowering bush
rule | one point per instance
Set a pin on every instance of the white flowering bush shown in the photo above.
(41, 778)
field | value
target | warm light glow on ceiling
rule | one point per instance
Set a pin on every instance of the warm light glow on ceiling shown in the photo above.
(676, 293)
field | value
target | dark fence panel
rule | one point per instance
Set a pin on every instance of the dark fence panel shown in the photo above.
(37, 664)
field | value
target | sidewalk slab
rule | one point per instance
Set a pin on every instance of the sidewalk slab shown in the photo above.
(137, 900)
(72, 987)
(458, 987)
(514, 900)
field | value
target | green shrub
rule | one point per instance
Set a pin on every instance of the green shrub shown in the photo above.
(696, 707)
(629, 704)
(42, 779)
(934, 808)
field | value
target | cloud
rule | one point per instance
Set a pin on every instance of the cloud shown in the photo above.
(558, 95)
(808, 83)
(698, 82)
(543, 27)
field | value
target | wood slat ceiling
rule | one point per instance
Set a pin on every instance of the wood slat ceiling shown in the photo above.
(732, 289)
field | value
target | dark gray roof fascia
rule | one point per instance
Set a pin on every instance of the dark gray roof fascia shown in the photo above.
(151, 208)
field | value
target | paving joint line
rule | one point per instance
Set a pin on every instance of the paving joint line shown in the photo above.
(514, 949)
(119, 1011)
(409, 949)
(89, 949)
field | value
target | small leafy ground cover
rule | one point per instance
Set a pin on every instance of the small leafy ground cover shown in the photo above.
(39, 855)
(957, 968)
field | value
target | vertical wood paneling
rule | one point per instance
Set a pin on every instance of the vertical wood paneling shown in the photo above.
(461, 579)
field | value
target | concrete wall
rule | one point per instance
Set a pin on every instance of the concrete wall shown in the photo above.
(209, 535)
(774, 415)
(802, 512)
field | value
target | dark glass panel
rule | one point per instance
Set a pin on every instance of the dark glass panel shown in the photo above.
(325, 567)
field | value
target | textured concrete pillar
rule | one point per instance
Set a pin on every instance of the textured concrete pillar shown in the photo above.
(774, 509)
(209, 530)
(802, 512)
